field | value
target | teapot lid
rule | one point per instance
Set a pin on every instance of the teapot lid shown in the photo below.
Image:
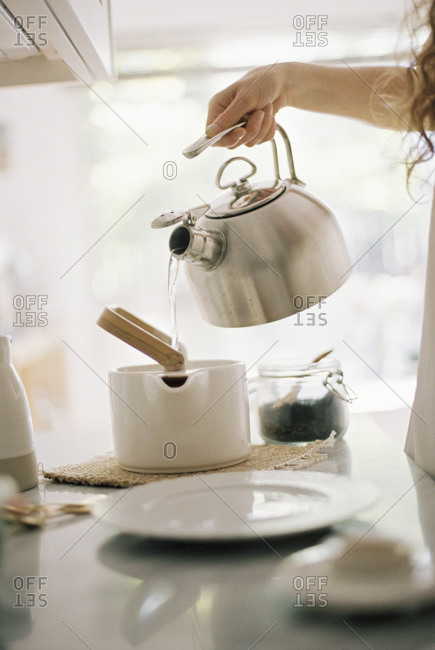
(243, 196)
(236, 202)
(229, 204)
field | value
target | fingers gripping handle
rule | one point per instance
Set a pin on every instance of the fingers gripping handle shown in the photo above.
(204, 142)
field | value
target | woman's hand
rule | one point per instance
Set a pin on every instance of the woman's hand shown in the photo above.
(256, 97)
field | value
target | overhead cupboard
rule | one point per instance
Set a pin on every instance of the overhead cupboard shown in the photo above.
(55, 40)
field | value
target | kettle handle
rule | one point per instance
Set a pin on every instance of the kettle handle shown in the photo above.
(204, 142)
(290, 160)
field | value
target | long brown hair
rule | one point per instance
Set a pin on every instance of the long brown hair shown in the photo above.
(422, 107)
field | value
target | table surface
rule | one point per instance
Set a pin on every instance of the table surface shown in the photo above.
(81, 584)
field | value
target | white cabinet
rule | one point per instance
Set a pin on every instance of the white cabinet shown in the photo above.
(55, 40)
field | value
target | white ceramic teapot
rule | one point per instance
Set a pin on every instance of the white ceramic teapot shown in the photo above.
(177, 415)
(164, 426)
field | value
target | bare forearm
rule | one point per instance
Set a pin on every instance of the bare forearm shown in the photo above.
(376, 95)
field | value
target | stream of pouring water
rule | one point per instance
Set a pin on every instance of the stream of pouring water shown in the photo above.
(173, 268)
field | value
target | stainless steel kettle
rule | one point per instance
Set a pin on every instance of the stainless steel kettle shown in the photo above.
(260, 252)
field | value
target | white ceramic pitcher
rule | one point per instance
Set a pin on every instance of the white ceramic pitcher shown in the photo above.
(17, 449)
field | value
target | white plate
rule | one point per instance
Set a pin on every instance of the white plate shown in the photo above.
(322, 584)
(237, 505)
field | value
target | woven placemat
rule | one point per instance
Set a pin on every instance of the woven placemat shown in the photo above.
(105, 471)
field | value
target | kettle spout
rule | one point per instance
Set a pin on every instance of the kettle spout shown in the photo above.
(198, 246)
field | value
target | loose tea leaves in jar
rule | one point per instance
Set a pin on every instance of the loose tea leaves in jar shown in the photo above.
(304, 420)
(300, 403)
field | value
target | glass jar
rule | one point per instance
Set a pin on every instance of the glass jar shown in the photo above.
(300, 402)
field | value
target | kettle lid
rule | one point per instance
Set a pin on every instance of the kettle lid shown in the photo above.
(230, 204)
(243, 196)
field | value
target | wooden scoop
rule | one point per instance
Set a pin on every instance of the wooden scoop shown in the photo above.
(142, 337)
